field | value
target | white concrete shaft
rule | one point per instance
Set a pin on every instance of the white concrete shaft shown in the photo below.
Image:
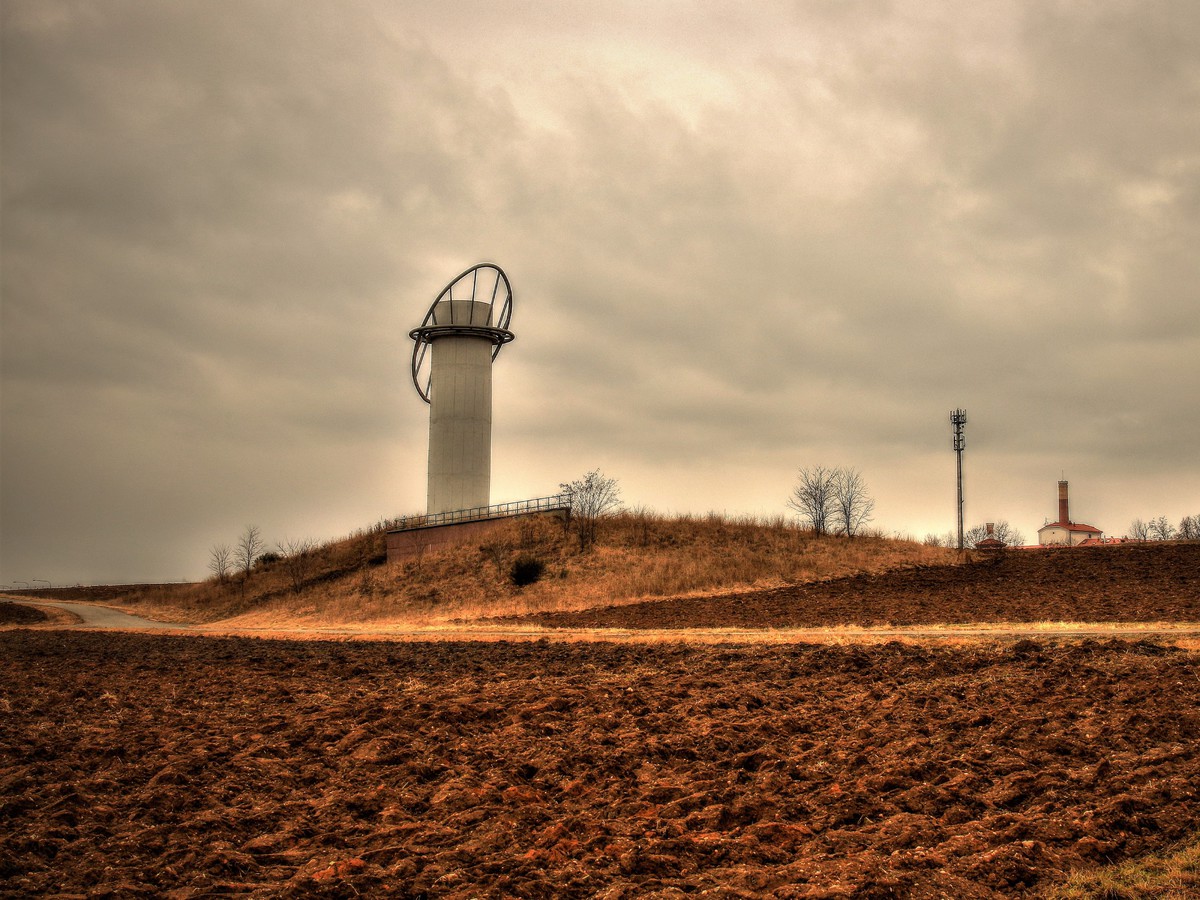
(460, 414)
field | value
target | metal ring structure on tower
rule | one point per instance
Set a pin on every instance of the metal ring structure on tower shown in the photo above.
(482, 283)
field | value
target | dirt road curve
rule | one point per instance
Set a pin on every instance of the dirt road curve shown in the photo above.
(104, 618)
(92, 616)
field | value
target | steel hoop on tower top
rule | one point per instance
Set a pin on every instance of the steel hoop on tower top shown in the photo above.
(478, 303)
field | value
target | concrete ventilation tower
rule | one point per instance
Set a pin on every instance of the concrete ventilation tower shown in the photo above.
(452, 370)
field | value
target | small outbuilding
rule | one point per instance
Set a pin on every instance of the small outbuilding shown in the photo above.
(990, 541)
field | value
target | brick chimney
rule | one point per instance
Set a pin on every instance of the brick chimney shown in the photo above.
(1063, 511)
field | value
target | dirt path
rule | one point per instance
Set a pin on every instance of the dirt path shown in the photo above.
(1172, 633)
(93, 616)
(105, 618)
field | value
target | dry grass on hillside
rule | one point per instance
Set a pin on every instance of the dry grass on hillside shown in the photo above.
(638, 555)
(1173, 875)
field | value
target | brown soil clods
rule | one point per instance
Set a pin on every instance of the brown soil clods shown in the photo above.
(1130, 583)
(135, 765)
(18, 614)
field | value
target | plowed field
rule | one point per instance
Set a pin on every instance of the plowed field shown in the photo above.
(1130, 583)
(140, 765)
(16, 614)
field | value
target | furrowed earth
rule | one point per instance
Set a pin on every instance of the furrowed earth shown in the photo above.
(15, 614)
(197, 766)
(138, 765)
(1133, 583)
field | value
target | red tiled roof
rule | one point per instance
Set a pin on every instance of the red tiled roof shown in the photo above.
(1072, 526)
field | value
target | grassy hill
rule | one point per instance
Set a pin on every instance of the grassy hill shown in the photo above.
(637, 556)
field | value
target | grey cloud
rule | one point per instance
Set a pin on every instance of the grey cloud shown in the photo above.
(221, 219)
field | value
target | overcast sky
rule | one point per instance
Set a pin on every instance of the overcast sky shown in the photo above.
(742, 238)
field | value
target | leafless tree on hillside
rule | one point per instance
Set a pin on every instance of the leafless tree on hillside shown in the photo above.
(813, 497)
(296, 556)
(832, 500)
(1139, 530)
(852, 504)
(248, 547)
(220, 560)
(946, 539)
(1189, 528)
(1161, 529)
(590, 498)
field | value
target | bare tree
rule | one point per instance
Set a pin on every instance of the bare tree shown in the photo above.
(297, 559)
(813, 497)
(1139, 530)
(1189, 528)
(590, 498)
(1161, 529)
(1001, 531)
(247, 549)
(948, 539)
(220, 560)
(852, 504)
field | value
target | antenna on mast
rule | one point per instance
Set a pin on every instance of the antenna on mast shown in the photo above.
(958, 418)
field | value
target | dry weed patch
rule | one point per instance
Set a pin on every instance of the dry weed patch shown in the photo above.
(1171, 875)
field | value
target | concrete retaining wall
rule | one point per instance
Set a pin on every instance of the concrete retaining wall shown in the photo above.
(402, 545)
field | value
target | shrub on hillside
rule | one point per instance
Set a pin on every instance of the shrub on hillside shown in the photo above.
(526, 570)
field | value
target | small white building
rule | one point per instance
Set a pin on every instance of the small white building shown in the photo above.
(1064, 532)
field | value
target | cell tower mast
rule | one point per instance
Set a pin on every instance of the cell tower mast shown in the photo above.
(958, 418)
